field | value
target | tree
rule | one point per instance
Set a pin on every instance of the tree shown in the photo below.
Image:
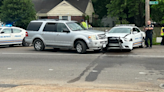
(17, 12)
(100, 7)
(128, 10)
(157, 12)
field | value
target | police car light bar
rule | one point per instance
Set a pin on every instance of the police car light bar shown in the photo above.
(125, 25)
(8, 25)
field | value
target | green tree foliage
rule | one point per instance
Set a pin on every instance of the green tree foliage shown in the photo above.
(100, 7)
(157, 12)
(131, 11)
(17, 12)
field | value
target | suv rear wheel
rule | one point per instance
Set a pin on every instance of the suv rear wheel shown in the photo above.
(80, 47)
(39, 45)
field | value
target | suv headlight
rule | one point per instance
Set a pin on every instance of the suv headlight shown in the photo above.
(92, 37)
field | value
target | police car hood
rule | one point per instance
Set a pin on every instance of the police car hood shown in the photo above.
(116, 34)
(90, 32)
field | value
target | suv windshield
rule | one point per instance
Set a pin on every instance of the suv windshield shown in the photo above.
(120, 30)
(74, 26)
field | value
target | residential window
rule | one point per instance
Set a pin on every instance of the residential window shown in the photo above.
(65, 17)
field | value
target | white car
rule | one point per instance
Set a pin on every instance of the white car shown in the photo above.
(125, 37)
(12, 36)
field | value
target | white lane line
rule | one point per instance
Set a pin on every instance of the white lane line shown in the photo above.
(51, 69)
(142, 56)
(142, 73)
(95, 55)
(49, 54)
(9, 68)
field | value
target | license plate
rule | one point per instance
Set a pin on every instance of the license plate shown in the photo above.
(104, 45)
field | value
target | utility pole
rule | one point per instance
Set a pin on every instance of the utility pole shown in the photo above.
(147, 11)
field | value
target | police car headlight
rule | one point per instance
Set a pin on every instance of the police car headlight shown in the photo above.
(92, 37)
(127, 39)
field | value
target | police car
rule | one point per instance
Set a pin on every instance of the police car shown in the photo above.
(12, 36)
(125, 37)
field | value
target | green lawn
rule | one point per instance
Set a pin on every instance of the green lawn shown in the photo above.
(154, 42)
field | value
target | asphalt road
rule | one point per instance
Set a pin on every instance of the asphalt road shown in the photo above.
(141, 69)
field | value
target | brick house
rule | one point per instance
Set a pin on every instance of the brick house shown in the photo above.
(64, 9)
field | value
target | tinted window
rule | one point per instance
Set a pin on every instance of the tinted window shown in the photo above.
(50, 27)
(7, 31)
(60, 27)
(34, 26)
(16, 31)
(136, 30)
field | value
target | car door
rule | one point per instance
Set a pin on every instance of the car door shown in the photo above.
(63, 38)
(5, 36)
(137, 37)
(17, 35)
(49, 33)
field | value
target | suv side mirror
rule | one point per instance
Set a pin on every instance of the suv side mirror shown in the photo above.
(2, 32)
(66, 30)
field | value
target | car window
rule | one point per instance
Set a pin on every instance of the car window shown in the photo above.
(136, 30)
(16, 30)
(60, 27)
(50, 27)
(74, 26)
(34, 26)
(7, 31)
(120, 30)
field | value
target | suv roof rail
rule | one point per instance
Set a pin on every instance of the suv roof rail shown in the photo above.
(124, 25)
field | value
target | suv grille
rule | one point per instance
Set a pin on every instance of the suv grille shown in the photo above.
(102, 36)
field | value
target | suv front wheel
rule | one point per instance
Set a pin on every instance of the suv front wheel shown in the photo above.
(80, 47)
(39, 45)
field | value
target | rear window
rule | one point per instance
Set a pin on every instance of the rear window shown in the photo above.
(34, 26)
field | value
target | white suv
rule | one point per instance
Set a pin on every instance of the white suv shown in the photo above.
(64, 34)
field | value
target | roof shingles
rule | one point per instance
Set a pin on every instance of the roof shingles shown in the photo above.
(44, 6)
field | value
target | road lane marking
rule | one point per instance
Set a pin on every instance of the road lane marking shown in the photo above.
(51, 69)
(142, 73)
(9, 68)
(95, 55)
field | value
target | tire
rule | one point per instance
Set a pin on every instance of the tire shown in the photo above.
(142, 44)
(39, 45)
(80, 47)
(24, 43)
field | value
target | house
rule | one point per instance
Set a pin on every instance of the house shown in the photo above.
(64, 9)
